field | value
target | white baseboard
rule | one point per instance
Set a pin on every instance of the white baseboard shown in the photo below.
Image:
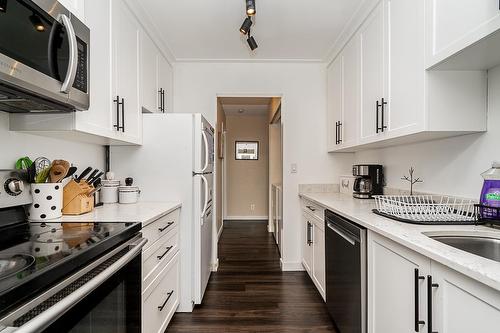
(221, 229)
(215, 265)
(291, 266)
(247, 218)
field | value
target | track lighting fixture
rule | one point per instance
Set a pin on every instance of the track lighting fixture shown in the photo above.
(37, 23)
(250, 7)
(245, 27)
(252, 43)
(3, 6)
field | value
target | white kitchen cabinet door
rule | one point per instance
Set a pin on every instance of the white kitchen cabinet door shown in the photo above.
(452, 25)
(307, 250)
(462, 305)
(406, 107)
(334, 116)
(126, 71)
(373, 74)
(318, 265)
(76, 7)
(351, 92)
(392, 283)
(149, 90)
(165, 82)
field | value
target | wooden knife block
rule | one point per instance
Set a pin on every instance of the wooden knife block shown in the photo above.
(76, 200)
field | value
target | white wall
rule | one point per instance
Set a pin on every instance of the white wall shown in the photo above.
(450, 166)
(303, 88)
(14, 145)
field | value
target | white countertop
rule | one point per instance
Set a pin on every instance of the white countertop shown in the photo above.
(410, 235)
(144, 212)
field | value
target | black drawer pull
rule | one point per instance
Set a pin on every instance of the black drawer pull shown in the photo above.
(166, 301)
(430, 285)
(311, 208)
(418, 322)
(166, 227)
(165, 253)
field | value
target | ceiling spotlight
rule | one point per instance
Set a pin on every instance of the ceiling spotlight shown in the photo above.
(245, 27)
(3, 6)
(250, 7)
(37, 23)
(252, 43)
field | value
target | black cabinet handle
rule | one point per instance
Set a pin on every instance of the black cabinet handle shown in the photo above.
(378, 105)
(430, 285)
(123, 115)
(336, 132)
(165, 253)
(166, 227)
(311, 208)
(160, 100)
(163, 100)
(384, 103)
(418, 322)
(340, 132)
(309, 233)
(166, 301)
(119, 103)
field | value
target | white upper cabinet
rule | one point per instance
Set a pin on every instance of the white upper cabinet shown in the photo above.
(114, 115)
(156, 76)
(400, 101)
(77, 7)
(343, 97)
(373, 74)
(455, 26)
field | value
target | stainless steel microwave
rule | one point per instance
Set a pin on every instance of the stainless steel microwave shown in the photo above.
(44, 58)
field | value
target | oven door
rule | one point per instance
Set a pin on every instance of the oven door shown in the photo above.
(43, 54)
(104, 297)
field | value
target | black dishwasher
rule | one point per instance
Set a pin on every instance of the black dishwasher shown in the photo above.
(345, 245)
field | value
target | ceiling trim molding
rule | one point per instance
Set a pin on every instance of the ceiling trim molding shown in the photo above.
(201, 60)
(360, 14)
(151, 29)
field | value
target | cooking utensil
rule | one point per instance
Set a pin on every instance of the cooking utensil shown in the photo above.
(83, 174)
(92, 175)
(41, 163)
(97, 182)
(41, 177)
(95, 190)
(98, 176)
(71, 171)
(31, 173)
(57, 173)
(23, 163)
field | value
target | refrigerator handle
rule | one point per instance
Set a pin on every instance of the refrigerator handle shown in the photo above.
(205, 204)
(205, 141)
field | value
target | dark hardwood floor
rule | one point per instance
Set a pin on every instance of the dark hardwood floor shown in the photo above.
(249, 293)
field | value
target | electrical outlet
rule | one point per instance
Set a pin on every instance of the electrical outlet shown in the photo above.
(252, 207)
(294, 168)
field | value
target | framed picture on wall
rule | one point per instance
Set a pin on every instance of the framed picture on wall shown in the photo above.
(247, 150)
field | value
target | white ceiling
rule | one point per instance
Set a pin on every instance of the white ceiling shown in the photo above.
(284, 29)
(251, 106)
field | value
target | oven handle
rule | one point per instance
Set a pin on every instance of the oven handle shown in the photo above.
(341, 234)
(73, 54)
(44, 319)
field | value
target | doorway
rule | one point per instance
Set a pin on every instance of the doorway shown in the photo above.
(249, 163)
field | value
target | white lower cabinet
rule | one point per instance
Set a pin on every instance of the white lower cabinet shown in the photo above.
(313, 246)
(402, 283)
(160, 273)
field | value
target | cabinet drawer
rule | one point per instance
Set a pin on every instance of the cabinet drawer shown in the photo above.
(313, 209)
(161, 299)
(152, 232)
(158, 254)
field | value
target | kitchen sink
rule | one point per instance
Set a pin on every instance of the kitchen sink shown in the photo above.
(486, 246)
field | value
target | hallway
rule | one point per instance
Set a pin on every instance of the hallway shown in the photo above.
(249, 293)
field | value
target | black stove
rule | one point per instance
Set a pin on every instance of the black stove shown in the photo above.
(36, 256)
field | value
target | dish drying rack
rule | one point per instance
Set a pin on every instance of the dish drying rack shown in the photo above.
(428, 209)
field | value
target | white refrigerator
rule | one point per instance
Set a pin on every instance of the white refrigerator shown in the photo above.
(176, 163)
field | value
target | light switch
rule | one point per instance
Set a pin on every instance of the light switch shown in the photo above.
(294, 168)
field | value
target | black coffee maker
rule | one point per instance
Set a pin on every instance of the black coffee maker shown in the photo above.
(369, 180)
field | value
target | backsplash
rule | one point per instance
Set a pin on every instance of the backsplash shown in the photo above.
(15, 145)
(319, 188)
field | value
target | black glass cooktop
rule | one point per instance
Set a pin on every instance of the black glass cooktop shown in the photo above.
(34, 256)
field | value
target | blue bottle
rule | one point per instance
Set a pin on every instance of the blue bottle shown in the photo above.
(490, 195)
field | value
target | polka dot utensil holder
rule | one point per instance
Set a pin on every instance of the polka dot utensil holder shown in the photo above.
(47, 202)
